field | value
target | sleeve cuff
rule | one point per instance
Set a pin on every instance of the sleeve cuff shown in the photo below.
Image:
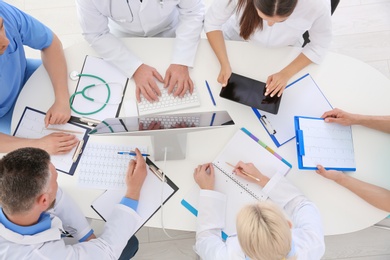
(84, 238)
(130, 203)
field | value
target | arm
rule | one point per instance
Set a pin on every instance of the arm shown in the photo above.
(53, 60)
(218, 13)
(381, 123)
(376, 196)
(191, 15)
(94, 23)
(211, 218)
(54, 143)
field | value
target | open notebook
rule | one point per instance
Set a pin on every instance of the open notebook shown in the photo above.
(155, 191)
(245, 147)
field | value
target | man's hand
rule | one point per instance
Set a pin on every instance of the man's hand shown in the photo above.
(178, 75)
(276, 83)
(56, 143)
(204, 176)
(135, 176)
(154, 125)
(145, 83)
(58, 113)
(339, 116)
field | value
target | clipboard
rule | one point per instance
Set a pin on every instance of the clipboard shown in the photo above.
(109, 95)
(32, 125)
(301, 97)
(250, 92)
(150, 198)
(327, 144)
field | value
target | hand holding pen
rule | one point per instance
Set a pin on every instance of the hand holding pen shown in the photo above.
(249, 172)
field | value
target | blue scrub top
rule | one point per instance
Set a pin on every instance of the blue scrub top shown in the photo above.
(21, 29)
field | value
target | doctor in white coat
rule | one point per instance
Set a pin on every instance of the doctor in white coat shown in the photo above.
(182, 19)
(272, 24)
(264, 231)
(35, 214)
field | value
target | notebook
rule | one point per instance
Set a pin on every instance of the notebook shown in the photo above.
(93, 95)
(245, 147)
(32, 125)
(327, 144)
(250, 92)
(302, 97)
(155, 192)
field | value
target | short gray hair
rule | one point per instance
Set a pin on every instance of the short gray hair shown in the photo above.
(24, 174)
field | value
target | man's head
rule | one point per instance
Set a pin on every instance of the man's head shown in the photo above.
(3, 37)
(28, 181)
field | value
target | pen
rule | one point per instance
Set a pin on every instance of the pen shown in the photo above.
(64, 130)
(244, 172)
(211, 94)
(133, 153)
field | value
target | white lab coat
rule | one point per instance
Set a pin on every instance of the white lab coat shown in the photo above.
(307, 232)
(49, 245)
(309, 15)
(151, 18)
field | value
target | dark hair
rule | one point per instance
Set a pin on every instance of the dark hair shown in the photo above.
(250, 20)
(24, 174)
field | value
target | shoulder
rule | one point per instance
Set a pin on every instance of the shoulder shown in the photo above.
(317, 7)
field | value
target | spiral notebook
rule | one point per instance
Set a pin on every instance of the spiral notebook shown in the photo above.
(247, 148)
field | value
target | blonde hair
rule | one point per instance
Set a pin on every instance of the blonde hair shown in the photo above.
(263, 231)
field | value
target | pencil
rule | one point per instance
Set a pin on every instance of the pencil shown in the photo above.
(64, 130)
(244, 172)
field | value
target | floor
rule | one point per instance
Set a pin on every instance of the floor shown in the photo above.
(361, 30)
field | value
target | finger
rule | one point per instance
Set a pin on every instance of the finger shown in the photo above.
(47, 119)
(138, 155)
(154, 89)
(171, 84)
(148, 94)
(141, 126)
(185, 88)
(151, 125)
(167, 78)
(320, 169)
(276, 90)
(179, 88)
(131, 167)
(191, 86)
(158, 76)
(138, 94)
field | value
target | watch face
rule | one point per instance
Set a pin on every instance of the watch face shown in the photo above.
(250, 92)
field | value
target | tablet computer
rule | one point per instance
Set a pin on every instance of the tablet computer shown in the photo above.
(250, 92)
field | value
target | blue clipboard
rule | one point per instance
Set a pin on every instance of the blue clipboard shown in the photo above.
(337, 154)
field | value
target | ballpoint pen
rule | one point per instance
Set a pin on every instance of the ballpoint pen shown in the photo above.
(244, 172)
(133, 153)
(211, 94)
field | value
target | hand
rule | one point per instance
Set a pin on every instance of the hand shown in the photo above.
(178, 75)
(339, 116)
(154, 125)
(145, 84)
(329, 174)
(276, 83)
(251, 169)
(57, 143)
(224, 75)
(135, 176)
(58, 113)
(204, 176)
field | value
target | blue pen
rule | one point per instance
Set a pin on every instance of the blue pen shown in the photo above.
(211, 94)
(133, 153)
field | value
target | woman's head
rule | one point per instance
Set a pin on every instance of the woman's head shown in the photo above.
(263, 231)
(255, 12)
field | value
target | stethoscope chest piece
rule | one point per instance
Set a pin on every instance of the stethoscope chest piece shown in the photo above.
(74, 75)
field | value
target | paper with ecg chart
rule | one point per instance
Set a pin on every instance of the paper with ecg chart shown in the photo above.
(32, 125)
(327, 144)
(101, 167)
(154, 193)
(247, 148)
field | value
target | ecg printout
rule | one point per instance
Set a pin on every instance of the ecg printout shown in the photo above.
(32, 125)
(101, 167)
(327, 144)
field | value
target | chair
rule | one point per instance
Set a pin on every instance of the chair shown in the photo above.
(333, 5)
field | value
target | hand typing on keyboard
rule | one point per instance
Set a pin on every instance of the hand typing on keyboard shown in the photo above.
(177, 80)
(145, 83)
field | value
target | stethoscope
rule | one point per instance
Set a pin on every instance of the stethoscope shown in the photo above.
(74, 75)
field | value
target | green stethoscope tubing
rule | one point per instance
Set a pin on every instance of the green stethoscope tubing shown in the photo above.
(82, 92)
